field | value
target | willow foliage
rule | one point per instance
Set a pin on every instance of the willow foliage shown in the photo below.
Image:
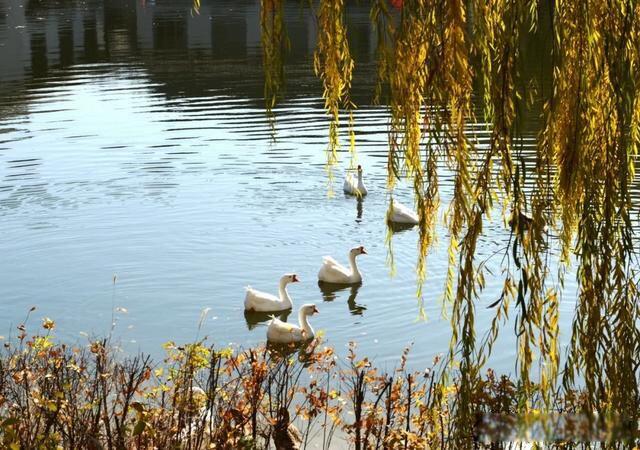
(601, 144)
(274, 46)
(434, 57)
(332, 62)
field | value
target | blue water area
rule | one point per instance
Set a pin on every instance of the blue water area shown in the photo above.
(134, 144)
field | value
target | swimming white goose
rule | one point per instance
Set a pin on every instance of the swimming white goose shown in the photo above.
(333, 272)
(353, 187)
(261, 301)
(398, 213)
(285, 333)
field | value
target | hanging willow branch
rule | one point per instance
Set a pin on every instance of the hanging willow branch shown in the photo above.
(332, 62)
(407, 86)
(607, 113)
(274, 46)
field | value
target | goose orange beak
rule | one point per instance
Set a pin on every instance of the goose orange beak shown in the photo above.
(295, 278)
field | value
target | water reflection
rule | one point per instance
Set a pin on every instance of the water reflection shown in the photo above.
(185, 53)
(302, 350)
(330, 290)
(359, 203)
(65, 38)
(397, 227)
(39, 62)
(255, 318)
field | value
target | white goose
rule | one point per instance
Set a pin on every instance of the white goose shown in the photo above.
(285, 333)
(398, 213)
(352, 187)
(261, 301)
(333, 272)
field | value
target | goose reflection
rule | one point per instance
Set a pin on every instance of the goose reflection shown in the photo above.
(255, 318)
(359, 209)
(302, 351)
(396, 227)
(329, 291)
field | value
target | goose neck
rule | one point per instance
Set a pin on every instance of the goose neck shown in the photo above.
(303, 319)
(361, 187)
(354, 264)
(284, 294)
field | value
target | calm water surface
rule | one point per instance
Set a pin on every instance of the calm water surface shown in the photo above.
(133, 142)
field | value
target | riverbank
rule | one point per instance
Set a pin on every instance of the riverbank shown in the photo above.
(53, 395)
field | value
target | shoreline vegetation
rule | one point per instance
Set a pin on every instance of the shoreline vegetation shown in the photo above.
(54, 395)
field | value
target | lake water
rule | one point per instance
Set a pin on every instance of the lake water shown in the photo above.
(134, 142)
